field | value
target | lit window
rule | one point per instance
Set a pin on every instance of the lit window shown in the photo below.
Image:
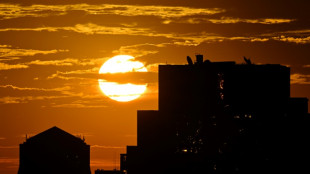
(236, 116)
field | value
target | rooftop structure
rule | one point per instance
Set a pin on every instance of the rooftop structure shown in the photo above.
(54, 151)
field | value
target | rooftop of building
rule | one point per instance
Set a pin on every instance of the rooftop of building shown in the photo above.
(201, 62)
(54, 134)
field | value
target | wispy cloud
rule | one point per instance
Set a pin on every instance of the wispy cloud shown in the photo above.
(227, 20)
(76, 74)
(59, 62)
(303, 79)
(259, 39)
(35, 89)
(89, 28)
(71, 93)
(63, 62)
(2, 138)
(188, 39)
(12, 100)
(8, 11)
(138, 50)
(298, 40)
(292, 36)
(4, 66)
(26, 99)
(300, 32)
(77, 105)
(9, 51)
(63, 93)
(129, 77)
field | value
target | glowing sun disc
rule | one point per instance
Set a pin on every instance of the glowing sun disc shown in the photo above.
(121, 92)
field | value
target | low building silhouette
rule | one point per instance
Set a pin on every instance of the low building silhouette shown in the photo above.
(54, 151)
(221, 117)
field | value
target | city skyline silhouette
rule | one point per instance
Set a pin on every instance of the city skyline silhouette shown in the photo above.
(213, 117)
(88, 66)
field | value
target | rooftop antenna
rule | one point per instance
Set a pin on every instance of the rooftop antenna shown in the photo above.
(26, 137)
(199, 58)
(247, 61)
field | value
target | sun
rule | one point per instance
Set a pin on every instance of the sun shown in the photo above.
(121, 92)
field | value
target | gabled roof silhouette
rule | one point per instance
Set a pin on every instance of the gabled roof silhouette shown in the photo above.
(52, 134)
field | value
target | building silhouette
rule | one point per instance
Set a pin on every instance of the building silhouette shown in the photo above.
(54, 151)
(222, 117)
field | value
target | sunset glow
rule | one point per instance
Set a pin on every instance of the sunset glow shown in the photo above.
(121, 92)
(86, 67)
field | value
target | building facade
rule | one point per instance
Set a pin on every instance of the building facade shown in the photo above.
(221, 117)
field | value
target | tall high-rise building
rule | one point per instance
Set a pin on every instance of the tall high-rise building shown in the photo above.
(220, 117)
(54, 151)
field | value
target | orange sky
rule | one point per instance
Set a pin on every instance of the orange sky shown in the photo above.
(51, 52)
